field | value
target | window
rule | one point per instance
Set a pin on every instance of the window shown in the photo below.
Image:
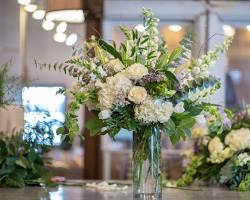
(43, 113)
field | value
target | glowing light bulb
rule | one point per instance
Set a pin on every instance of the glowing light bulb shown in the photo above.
(24, 2)
(175, 28)
(48, 25)
(60, 37)
(30, 8)
(61, 28)
(228, 30)
(38, 14)
(248, 28)
(71, 39)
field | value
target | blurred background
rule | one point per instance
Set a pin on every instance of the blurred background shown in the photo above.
(47, 30)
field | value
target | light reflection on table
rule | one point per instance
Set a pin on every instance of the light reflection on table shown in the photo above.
(80, 193)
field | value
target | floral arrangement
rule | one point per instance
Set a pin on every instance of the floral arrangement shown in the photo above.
(20, 163)
(223, 158)
(139, 84)
(142, 87)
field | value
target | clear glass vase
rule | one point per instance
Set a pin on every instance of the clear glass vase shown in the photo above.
(147, 165)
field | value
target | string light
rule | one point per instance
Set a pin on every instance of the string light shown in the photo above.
(30, 8)
(61, 27)
(228, 30)
(60, 37)
(48, 25)
(24, 2)
(175, 28)
(71, 39)
(38, 14)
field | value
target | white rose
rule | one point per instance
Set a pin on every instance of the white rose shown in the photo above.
(136, 71)
(137, 94)
(179, 108)
(140, 28)
(104, 114)
(215, 146)
(116, 65)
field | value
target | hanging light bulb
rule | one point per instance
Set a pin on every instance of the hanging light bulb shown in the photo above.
(24, 2)
(61, 27)
(38, 14)
(175, 28)
(228, 30)
(30, 8)
(248, 28)
(60, 37)
(48, 25)
(71, 39)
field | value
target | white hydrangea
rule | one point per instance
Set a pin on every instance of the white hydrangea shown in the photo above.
(140, 28)
(238, 139)
(215, 145)
(219, 157)
(243, 159)
(154, 111)
(114, 91)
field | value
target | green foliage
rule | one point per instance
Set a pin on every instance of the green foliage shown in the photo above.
(20, 164)
(186, 45)
(109, 48)
(191, 171)
(9, 85)
(94, 124)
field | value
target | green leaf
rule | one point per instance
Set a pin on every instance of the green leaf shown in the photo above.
(163, 60)
(107, 47)
(186, 123)
(22, 162)
(94, 124)
(175, 138)
(6, 171)
(175, 54)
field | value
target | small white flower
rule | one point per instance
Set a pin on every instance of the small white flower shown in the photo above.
(103, 129)
(104, 114)
(179, 108)
(140, 28)
(196, 70)
(201, 120)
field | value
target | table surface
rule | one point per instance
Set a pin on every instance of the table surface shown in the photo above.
(80, 193)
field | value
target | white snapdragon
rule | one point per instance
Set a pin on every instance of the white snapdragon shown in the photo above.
(179, 108)
(140, 28)
(105, 114)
